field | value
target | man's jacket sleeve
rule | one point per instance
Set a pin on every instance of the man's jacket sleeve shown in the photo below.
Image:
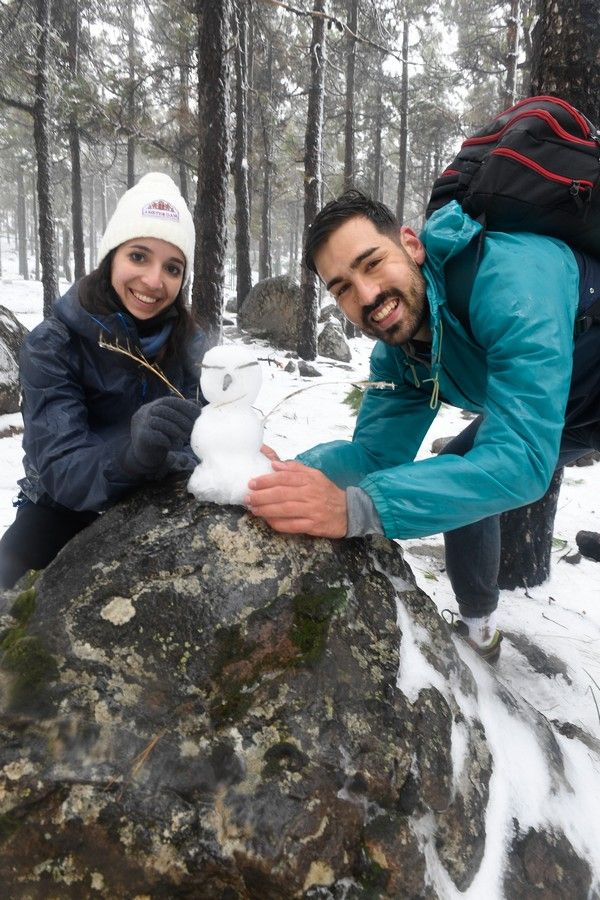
(522, 313)
(74, 466)
(390, 427)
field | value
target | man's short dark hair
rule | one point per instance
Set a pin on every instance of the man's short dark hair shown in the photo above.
(350, 204)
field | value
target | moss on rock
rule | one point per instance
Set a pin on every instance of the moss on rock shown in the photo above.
(312, 615)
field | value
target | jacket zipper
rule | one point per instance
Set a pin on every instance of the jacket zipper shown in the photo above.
(537, 113)
(546, 173)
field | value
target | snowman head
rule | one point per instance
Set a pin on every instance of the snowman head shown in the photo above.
(230, 373)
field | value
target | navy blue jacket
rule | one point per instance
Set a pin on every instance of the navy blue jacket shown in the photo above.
(78, 400)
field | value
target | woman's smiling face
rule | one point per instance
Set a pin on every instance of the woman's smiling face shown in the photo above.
(147, 274)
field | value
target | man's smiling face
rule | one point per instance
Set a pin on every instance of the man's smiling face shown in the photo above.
(376, 280)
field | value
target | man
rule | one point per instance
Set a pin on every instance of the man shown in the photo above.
(483, 322)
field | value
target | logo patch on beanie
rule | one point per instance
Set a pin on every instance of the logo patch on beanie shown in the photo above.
(161, 209)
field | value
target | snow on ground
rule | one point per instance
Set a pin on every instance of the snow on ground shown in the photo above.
(562, 616)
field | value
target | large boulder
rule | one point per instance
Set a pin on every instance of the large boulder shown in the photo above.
(271, 311)
(332, 343)
(195, 706)
(12, 335)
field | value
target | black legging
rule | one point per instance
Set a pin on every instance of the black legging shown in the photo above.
(35, 537)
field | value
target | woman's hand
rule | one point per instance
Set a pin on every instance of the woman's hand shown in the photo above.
(157, 427)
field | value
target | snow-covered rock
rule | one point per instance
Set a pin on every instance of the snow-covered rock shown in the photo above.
(12, 335)
(194, 704)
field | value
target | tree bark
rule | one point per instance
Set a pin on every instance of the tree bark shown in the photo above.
(92, 239)
(265, 261)
(36, 234)
(565, 54)
(131, 94)
(527, 540)
(22, 224)
(400, 200)
(41, 134)
(184, 114)
(66, 262)
(512, 55)
(75, 148)
(378, 128)
(349, 176)
(240, 170)
(309, 284)
(213, 166)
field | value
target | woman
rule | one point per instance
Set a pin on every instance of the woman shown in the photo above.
(97, 423)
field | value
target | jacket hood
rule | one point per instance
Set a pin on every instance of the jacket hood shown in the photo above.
(447, 233)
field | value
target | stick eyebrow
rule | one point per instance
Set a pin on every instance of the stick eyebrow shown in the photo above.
(353, 265)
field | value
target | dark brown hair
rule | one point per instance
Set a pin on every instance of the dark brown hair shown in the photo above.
(347, 206)
(97, 295)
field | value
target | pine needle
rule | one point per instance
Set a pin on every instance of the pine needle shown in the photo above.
(361, 385)
(139, 357)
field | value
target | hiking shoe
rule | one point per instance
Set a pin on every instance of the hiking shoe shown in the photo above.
(490, 653)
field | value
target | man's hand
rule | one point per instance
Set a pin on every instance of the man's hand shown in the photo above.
(269, 452)
(296, 499)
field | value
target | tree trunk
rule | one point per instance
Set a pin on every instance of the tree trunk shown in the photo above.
(66, 262)
(131, 94)
(527, 540)
(240, 170)
(349, 106)
(92, 239)
(22, 224)
(265, 262)
(349, 154)
(403, 127)
(512, 55)
(565, 54)
(309, 305)
(213, 166)
(565, 62)
(184, 113)
(36, 235)
(41, 134)
(378, 128)
(75, 148)
(103, 213)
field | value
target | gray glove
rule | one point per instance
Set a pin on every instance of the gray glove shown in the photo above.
(156, 428)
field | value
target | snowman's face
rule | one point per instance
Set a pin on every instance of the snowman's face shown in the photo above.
(230, 373)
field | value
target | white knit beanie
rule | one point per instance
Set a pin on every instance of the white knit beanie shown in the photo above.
(153, 208)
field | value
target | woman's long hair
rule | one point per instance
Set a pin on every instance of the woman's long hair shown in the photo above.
(97, 295)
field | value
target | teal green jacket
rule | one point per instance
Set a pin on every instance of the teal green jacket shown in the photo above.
(513, 365)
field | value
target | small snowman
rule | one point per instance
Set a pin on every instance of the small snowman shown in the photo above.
(228, 434)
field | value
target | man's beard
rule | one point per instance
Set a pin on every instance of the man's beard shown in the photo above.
(415, 310)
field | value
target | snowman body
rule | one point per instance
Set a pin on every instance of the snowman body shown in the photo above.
(228, 434)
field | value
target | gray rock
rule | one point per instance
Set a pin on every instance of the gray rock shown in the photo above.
(291, 366)
(588, 460)
(12, 335)
(271, 310)
(332, 343)
(231, 304)
(438, 445)
(196, 706)
(306, 370)
(329, 311)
